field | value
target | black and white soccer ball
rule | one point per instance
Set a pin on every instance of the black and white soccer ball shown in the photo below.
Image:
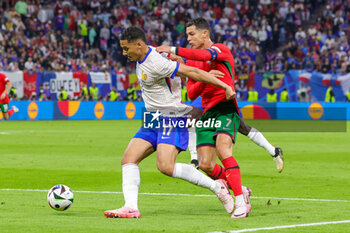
(60, 197)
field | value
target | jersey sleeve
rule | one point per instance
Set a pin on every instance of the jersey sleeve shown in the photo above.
(194, 88)
(4, 78)
(164, 68)
(218, 52)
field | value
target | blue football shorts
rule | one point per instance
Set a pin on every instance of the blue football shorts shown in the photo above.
(170, 133)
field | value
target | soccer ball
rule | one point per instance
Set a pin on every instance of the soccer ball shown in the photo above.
(60, 197)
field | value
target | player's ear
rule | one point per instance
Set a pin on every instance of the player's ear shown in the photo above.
(205, 34)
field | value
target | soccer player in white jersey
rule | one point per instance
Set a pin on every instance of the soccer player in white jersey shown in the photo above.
(154, 73)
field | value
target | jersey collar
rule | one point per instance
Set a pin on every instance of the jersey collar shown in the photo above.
(149, 51)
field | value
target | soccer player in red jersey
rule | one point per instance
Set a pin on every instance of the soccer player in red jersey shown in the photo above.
(213, 140)
(198, 39)
(5, 86)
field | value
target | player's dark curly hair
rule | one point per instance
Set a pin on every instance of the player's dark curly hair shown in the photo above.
(199, 23)
(133, 33)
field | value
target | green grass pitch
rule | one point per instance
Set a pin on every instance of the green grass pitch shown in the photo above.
(85, 155)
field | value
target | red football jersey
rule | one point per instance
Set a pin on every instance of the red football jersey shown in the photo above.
(195, 88)
(3, 80)
(217, 57)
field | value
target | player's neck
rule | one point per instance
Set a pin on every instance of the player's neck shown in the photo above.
(207, 44)
(144, 53)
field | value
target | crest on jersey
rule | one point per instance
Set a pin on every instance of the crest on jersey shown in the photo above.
(143, 76)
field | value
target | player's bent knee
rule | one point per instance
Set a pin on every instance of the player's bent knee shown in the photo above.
(136, 151)
(206, 166)
(127, 158)
(225, 151)
(165, 168)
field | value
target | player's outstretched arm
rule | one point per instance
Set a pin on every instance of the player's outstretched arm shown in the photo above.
(213, 53)
(205, 77)
(192, 54)
(194, 88)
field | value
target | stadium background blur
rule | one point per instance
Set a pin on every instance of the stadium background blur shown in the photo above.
(269, 40)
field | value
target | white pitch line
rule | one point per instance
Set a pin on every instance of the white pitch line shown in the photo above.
(284, 227)
(181, 194)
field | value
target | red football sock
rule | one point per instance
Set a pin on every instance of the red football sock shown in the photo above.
(11, 112)
(233, 175)
(218, 173)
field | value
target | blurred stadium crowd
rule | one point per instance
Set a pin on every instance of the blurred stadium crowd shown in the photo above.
(83, 35)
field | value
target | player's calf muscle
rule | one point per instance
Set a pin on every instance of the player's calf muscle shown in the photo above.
(166, 156)
(224, 146)
(244, 128)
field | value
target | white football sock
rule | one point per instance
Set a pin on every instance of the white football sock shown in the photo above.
(131, 184)
(192, 140)
(192, 175)
(260, 140)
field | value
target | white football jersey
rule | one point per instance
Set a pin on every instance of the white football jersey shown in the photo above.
(161, 89)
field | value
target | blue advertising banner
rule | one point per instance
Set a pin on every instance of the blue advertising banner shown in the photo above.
(124, 110)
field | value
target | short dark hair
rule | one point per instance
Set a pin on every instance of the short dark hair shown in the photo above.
(199, 23)
(133, 33)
